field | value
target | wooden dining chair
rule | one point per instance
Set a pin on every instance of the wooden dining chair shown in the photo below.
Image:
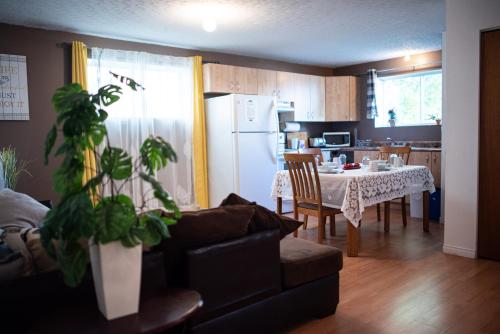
(316, 151)
(307, 192)
(403, 152)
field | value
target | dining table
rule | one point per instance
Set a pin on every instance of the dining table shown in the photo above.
(352, 191)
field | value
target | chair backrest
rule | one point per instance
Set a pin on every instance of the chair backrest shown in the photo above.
(314, 151)
(304, 178)
(401, 151)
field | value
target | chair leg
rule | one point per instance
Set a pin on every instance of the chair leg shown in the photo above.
(321, 229)
(304, 226)
(403, 210)
(296, 217)
(378, 212)
(332, 226)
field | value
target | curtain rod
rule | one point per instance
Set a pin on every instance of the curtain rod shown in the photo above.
(402, 68)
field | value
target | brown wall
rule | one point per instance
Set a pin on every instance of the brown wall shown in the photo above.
(49, 68)
(366, 127)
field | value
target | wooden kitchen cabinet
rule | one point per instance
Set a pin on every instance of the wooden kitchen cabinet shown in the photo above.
(218, 78)
(421, 159)
(245, 80)
(285, 86)
(317, 88)
(309, 98)
(341, 99)
(302, 97)
(266, 80)
(430, 159)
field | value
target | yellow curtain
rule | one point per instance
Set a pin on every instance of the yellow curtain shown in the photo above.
(199, 138)
(79, 75)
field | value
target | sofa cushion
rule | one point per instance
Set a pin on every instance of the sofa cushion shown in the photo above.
(20, 210)
(11, 263)
(264, 219)
(202, 228)
(304, 261)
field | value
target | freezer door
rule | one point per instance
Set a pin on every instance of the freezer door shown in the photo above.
(255, 166)
(254, 113)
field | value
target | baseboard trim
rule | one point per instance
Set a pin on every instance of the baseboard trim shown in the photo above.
(460, 251)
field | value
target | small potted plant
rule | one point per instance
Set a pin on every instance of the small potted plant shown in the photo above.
(435, 118)
(97, 213)
(392, 117)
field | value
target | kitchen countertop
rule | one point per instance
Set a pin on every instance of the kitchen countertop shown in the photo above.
(375, 148)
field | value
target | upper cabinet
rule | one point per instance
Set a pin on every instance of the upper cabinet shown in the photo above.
(285, 86)
(309, 98)
(341, 99)
(307, 92)
(219, 78)
(266, 81)
(317, 87)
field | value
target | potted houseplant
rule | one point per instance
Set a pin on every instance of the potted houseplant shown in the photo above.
(392, 117)
(11, 168)
(435, 118)
(96, 213)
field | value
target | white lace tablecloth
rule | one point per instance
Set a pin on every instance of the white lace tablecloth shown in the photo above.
(354, 190)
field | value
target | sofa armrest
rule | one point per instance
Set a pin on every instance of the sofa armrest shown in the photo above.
(235, 273)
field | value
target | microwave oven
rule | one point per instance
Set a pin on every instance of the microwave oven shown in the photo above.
(337, 139)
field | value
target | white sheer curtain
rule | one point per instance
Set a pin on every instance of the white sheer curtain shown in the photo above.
(164, 108)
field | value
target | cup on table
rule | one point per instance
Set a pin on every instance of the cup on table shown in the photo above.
(373, 166)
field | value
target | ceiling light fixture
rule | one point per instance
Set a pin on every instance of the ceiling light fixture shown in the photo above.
(209, 24)
(407, 55)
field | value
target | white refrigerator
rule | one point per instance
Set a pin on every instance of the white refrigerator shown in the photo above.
(242, 139)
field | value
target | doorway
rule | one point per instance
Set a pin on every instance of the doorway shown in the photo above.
(489, 147)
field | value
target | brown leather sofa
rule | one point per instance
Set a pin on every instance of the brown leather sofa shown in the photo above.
(258, 283)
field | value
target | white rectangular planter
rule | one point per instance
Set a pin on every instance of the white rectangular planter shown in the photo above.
(117, 278)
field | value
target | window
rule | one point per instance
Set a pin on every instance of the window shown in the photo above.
(416, 98)
(164, 108)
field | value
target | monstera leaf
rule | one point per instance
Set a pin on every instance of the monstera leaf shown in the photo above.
(116, 163)
(155, 154)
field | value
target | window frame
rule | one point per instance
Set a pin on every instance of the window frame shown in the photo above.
(419, 74)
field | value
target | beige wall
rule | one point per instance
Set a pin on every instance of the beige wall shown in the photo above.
(464, 21)
(48, 68)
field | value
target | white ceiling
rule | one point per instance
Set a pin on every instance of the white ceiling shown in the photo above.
(320, 32)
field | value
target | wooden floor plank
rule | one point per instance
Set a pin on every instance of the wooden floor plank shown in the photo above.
(402, 282)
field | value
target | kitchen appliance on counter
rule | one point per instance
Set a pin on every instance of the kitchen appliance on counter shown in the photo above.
(242, 147)
(337, 139)
(317, 142)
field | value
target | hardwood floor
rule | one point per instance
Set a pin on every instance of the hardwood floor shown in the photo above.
(402, 282)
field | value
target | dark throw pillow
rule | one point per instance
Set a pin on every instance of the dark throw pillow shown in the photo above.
(263, 218)
(202, 228)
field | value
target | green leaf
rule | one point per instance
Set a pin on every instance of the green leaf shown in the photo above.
(73, 262)
(49, 142)
(161, 194)
(116, 163)
(127, 81)
(97, 133)
(115, 216)
(155, 154)
(109, 94)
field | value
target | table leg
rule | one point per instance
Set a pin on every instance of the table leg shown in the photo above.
(387, 216)
(352, 240)
(426, 211)
(279, 205)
